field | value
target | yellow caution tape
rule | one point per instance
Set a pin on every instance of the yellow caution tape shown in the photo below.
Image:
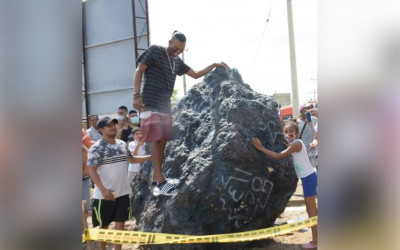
(143, 238)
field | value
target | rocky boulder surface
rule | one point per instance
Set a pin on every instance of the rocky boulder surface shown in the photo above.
(225, 184)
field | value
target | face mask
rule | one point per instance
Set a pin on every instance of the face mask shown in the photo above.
(121, 117)
(289, 138)
(135, 120)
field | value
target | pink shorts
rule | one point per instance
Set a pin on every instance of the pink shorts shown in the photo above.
(156, 126)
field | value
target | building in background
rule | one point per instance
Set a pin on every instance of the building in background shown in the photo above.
(283, 99)
(115, 33)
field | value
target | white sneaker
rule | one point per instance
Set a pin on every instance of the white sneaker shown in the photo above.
(165, 188)
(174, 182)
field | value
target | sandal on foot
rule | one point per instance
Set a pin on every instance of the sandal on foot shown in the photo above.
(309, 245)
(164, 188)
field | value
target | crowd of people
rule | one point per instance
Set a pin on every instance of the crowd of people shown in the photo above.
(113, 149)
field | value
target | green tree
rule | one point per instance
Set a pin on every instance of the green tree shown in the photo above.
(174, 96)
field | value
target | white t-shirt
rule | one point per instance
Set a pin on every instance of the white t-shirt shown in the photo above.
(301, 162)
(141, 152)
(111, 160)
(94, 134)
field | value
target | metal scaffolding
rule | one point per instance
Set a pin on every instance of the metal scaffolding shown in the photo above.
(140, 13)
(114, 35)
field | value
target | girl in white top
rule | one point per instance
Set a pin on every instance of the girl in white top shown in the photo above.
(304, 171)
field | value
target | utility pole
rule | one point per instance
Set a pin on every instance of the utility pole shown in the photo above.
(315, 99)
(295, 91)
(184, 75)
(314, 96)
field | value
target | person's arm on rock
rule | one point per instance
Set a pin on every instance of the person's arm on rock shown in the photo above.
(294, 147)
(197, 74)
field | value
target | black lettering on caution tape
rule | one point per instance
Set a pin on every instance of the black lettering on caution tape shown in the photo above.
(126, 237)
(214, 239)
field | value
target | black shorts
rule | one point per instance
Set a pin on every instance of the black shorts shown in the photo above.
(105, 212)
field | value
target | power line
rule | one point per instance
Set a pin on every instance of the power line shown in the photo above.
(261, 41)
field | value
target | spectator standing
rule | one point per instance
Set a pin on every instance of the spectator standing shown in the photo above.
(124, 128)
(93, 131)
(307, 131)
(86, 184)
(134, 122)
(134, 118)
(107, 161)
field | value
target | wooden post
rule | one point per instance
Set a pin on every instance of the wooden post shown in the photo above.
(84, 224)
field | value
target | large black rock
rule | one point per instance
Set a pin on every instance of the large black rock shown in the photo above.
(226, 185)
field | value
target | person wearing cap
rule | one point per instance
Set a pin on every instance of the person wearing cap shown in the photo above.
(307, 131)
(107, 161)
(160, 66)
